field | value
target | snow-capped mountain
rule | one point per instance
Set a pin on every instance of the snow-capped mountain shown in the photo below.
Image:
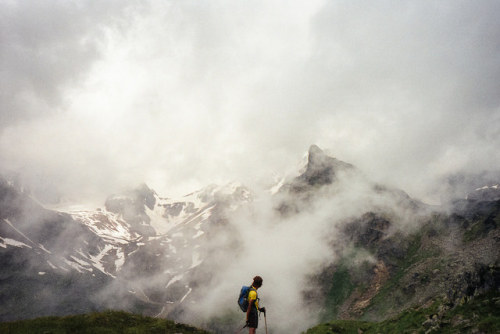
(138, 233)
(146, 253)
(142, 247)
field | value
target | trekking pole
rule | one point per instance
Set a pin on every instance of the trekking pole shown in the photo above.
(242, 328)
(265, 321)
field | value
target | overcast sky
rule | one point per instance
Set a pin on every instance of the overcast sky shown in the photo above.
(97, 95)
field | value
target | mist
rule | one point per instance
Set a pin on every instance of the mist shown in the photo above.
(287, 250)
(287, 247)
(181, 94)
(99, 97)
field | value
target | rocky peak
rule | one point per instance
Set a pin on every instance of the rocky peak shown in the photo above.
(131, 207)
(320, 170)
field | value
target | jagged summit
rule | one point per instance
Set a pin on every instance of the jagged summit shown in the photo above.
(319, 162)
(314, 149)
(321, 169)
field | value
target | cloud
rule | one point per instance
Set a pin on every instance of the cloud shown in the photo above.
(182, 94)
(287, 250)
(46, 48)
(411, 84)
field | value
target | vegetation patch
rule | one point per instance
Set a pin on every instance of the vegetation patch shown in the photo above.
(480, 228)
(110, 322)
(479, 315)
(226, 323)
(383, 301)
(340, 290)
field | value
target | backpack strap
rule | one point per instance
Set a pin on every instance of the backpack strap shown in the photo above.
(256, 294)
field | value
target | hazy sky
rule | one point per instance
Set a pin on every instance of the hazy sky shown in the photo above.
(96, 95)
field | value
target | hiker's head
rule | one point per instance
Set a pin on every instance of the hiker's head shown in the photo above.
(257, 282)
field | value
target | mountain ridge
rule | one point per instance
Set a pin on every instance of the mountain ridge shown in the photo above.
(153, 255)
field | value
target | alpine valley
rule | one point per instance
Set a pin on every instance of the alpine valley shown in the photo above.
(349, 253)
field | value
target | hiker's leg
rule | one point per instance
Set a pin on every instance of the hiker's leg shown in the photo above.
(253, 321)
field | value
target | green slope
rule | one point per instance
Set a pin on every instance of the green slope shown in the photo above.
(479, 315)
(97, 323)
(444, 277)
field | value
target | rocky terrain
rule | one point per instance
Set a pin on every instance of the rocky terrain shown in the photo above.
(383, 251)
(138, 253)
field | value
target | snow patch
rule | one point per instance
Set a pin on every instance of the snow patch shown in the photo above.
(44, 249)
(105, 224)
(4, 242)
(74, 265)
(174, 279)
(496, 186)
(274, 190)
(22, 234)
(80, 261)
(197, 235)
(195, 260)
(120, 261)
(97, 260)
(189, 291)
(158, 221)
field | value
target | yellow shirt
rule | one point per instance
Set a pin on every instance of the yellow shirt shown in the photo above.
(252, 295)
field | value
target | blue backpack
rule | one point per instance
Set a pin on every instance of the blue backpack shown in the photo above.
(243, 298)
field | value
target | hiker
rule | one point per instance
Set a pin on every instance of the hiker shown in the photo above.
(253, 306)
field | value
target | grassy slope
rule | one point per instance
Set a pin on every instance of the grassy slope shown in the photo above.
(392, 296)
(338, 293)
(97, 323)
(480, 315)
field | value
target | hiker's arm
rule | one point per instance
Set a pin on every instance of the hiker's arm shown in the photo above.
(250, 302)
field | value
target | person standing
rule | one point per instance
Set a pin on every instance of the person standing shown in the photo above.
(253, 306)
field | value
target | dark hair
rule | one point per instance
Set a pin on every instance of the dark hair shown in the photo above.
(257, 281)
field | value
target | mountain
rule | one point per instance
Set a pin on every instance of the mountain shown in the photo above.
(56, 263)
(330, 240)
(390, 258)
(320, 170)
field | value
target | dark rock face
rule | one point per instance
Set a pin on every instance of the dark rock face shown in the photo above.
(465, 285)
(320, 170)
(11, 200)
(131, 207)
(368, 230)
(36, 240)
(452, 258)
(173, 210)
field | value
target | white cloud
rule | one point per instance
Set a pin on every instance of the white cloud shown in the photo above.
(181, 94)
